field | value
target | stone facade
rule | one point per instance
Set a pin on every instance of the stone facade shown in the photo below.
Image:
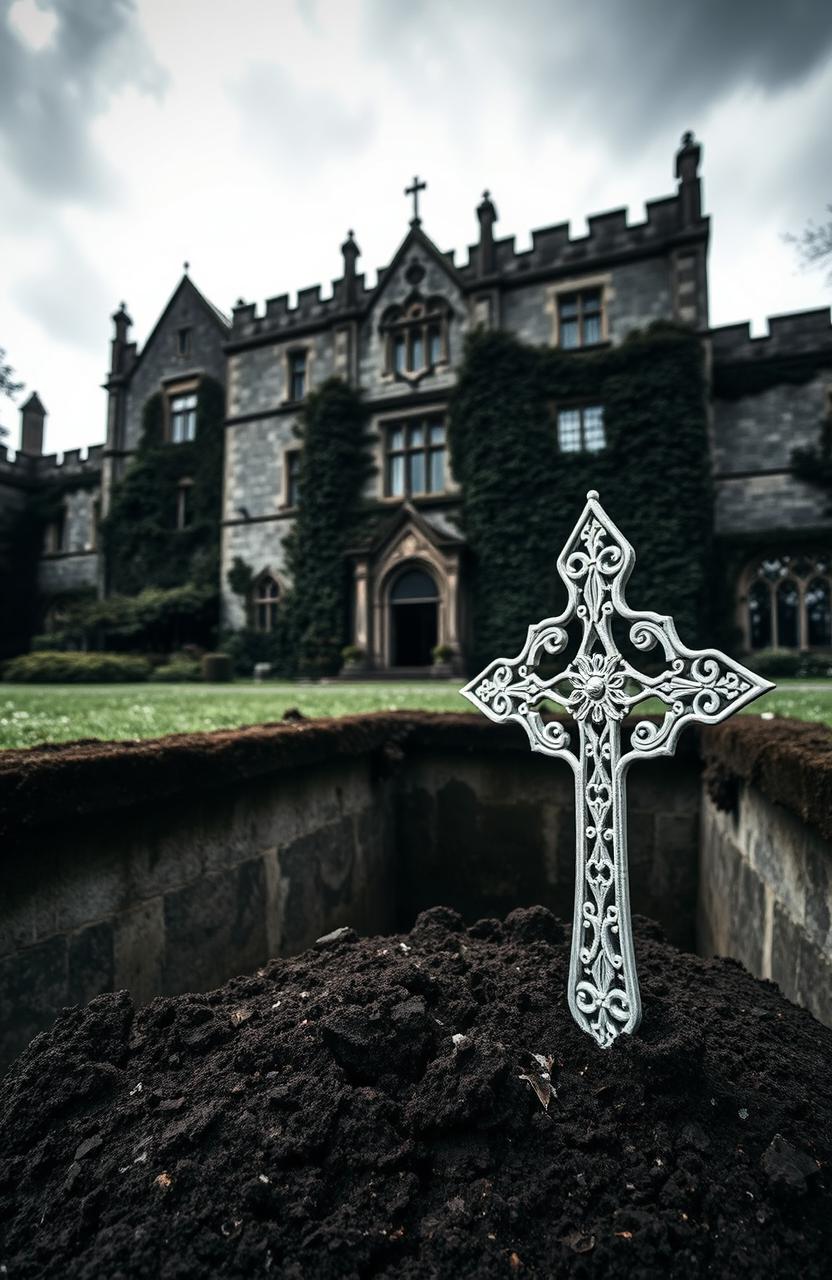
(400, 341)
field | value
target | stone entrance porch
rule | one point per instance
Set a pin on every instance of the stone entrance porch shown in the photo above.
(407, 597)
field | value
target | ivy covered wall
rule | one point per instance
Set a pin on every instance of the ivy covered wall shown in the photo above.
(335, 465)
(141, 541)
(521, 495)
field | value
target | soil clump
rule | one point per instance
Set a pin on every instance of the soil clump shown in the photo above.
(423, 1106)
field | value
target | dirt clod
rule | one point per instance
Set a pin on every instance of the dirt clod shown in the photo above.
(388, 1124)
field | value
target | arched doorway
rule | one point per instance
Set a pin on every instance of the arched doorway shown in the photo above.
(414, 619)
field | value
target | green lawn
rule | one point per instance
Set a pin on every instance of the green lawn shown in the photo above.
(31, 714)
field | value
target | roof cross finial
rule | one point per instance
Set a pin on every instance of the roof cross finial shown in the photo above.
(414, 191)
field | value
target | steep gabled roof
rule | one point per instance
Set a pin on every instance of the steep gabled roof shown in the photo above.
(415, 237)
(186, 285)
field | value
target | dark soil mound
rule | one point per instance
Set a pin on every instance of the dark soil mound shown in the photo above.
(375, 1109)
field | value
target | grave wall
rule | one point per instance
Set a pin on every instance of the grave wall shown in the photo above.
(765, 882)
(176, 864)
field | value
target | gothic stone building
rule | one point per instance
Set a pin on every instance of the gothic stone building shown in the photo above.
(400, 341)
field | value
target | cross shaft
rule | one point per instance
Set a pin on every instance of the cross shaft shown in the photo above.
(598, 688)
(414, 191)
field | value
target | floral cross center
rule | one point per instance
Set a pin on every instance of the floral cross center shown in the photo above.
(701, 686)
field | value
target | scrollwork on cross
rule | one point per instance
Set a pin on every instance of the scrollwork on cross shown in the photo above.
(598, 688)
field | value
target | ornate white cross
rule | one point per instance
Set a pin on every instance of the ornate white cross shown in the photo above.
(702, 686)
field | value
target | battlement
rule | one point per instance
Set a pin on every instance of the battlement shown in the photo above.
(16, 469)
(554, 250)
(610, 235)
(796, 333)
(72, 462)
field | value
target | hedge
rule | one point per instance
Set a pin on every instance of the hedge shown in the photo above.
(76, 668)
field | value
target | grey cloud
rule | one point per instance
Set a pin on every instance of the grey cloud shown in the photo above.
(67, 297)
(49, 97)
(619, 70)
(295, 125)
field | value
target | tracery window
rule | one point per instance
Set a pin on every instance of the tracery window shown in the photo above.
(788, 602)
(265, 602)
(415, 457)
(415, 337)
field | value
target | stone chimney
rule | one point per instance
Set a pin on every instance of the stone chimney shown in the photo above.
(351, 253)
(690, 186)
(487, 215)
(32, 416)
(122, 323)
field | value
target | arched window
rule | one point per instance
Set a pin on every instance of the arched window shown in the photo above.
(818, 615)
(415, 337)
(414, 586)
(759, 616)
(266, 602)
(788, 604)
(788, 601)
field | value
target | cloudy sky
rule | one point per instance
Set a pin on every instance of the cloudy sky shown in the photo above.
(247, 136)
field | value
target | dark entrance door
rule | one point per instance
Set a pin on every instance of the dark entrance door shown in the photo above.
(414, 610)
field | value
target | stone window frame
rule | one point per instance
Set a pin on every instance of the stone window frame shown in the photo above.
(755, 573)
(173, 390)
(421, 319)
(581, 407)
(580, 284)
(307, 350)
(184, 516)
(263, 598)
(385, 425)
(287, 453)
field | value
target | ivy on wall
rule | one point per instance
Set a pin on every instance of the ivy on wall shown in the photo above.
(141, 541)
(335, 464)
(521, 495)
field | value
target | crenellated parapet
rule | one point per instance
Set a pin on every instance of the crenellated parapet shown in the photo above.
(82, 463)
(797, 333)
(674, 227)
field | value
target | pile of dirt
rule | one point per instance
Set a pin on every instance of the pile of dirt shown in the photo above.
(387, 1108)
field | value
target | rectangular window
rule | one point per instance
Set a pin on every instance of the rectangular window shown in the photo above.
(183, 342)
(184, 504)
(415, 461)
(581, 429)
(434, 345)
(183, 418)
(297, 375)
(292, 462)
(579, 319)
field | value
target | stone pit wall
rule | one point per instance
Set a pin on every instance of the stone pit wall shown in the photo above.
(765, 870)
(173, 865)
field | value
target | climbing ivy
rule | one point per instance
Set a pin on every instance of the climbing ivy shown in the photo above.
(521, 495)
(142, 545)
(335, 465)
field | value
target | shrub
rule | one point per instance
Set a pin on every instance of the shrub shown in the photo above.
(247, 647)
(442, 652)
(216, 667)
(775, 662)
(179, 670)
(76, 668)
(788, 663)
(352, 653)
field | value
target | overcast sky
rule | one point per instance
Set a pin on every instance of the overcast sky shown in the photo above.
(247, 136)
